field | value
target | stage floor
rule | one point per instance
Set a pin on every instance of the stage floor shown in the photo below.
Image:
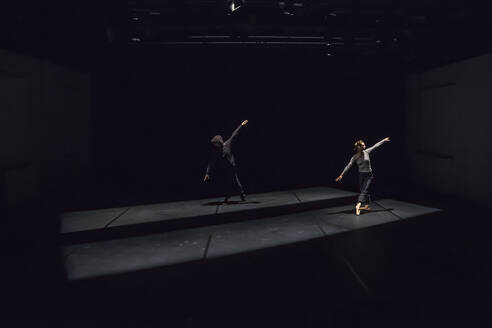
(102, 258)
(143, 219)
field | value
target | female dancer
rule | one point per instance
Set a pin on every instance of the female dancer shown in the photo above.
(223, 155)
(363, 161)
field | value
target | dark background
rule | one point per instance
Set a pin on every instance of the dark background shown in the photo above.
(156, 110)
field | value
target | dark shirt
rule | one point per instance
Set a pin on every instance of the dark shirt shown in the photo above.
(224, 155)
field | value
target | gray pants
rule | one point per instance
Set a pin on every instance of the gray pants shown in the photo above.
(365, 179)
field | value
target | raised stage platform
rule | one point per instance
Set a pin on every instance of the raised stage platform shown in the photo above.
(120, 222)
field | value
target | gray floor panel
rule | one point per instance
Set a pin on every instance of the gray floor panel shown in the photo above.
(264, 200)
(258, 234)
(406, 210)
(166, 211)
(133, 254)
(345, 217)
(88, 220)
(321, 193)
(142, 214)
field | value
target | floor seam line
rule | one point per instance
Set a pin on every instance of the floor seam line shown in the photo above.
(321, 228)
(356, 275)
(116, 218)
(66, 256)
(209, 240)
(399, 217)
(298, 199)
(347, 263)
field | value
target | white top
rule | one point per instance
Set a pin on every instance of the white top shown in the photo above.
(362, 160)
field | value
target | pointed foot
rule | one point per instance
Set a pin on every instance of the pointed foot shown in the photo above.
(357, 209)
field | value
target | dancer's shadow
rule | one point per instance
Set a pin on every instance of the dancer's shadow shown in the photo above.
(231, 202)
(362, 212)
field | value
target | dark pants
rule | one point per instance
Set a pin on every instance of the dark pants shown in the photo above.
(365, 179)
(231, 183)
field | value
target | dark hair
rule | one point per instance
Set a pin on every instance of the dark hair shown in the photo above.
(217, 140)
(359, 143)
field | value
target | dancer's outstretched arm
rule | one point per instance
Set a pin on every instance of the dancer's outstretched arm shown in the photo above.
(349, 165)
(377, 145)
(209, 169)
(236, 132)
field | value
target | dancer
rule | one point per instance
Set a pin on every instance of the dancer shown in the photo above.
(223, 157)
(363, 161)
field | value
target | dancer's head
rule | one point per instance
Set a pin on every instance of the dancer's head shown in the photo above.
(217, 141)
(359, 145)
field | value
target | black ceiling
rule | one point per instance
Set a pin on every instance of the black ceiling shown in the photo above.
(419, 32)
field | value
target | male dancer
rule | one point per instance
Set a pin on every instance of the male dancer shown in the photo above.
(223, 156)
(363, 161)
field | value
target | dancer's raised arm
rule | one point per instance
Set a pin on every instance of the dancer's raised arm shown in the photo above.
(236, 132)
(377, 144)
